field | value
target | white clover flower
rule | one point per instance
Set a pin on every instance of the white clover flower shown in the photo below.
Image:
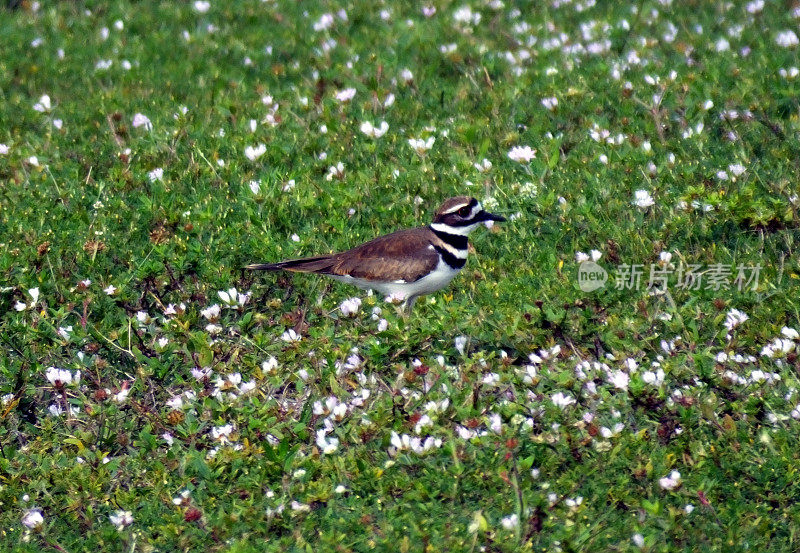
(421, 146)
(510, 522)
(324, 22)
(491, 379)
(141, 120)
(350, 307)
(466, 16)
(335, 171)
(291, 336)
(483, 166)
(736, 169)
(611, 432)
(406, 75)
(619, 379)
(33, 519)
(522, 154)
(233, 298)
(65, 331)
(121, 397)
(374, 132)
(254, 152)
(43, 105)
(460, 342)
(654, 378)
(763, 376)
(415, 444)
(62, 377)
(395, 298)
(734, 318)
(550, 103)
(201, 374)
(790, 333)
(638, 540)
(202, 6)
(643, 199)
(787, 39)
(562, 400)
(121, 519)
(156, 174)
(670, 482)
(722, 45)
(270, 365)
(255, 187)
(346, 94)
(326, 445)
(175, 403)
(211, 312)
(790, 73)
(222, 433)
(4, 149)
(495, 423)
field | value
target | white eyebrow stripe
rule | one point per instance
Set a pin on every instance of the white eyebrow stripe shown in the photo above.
(455, 208)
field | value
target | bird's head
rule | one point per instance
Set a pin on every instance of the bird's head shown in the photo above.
(460, 215)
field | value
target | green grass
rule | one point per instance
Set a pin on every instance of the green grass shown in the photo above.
(89, 211)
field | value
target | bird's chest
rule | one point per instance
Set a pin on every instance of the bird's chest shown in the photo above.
(433, 281)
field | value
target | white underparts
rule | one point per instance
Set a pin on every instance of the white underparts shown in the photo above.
(432, 282)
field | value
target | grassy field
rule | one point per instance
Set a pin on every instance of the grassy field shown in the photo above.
(155, 397)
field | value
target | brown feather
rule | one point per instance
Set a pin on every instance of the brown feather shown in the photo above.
(316, 264)
(403, 255)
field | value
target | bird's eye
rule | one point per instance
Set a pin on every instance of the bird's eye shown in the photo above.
(464, 211)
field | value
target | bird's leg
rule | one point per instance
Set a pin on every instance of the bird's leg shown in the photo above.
(409, 305)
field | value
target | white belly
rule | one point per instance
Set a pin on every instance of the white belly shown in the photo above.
(436, 280)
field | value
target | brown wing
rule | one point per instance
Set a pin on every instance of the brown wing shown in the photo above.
(403, 255)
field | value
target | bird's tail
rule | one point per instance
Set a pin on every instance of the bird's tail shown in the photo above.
(320, 264)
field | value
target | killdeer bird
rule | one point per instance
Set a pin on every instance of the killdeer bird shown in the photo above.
(405, 264)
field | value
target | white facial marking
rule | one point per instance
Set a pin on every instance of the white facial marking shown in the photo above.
(459, 231)
(456, 208)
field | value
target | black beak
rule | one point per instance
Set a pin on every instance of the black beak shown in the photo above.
(486, 216)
